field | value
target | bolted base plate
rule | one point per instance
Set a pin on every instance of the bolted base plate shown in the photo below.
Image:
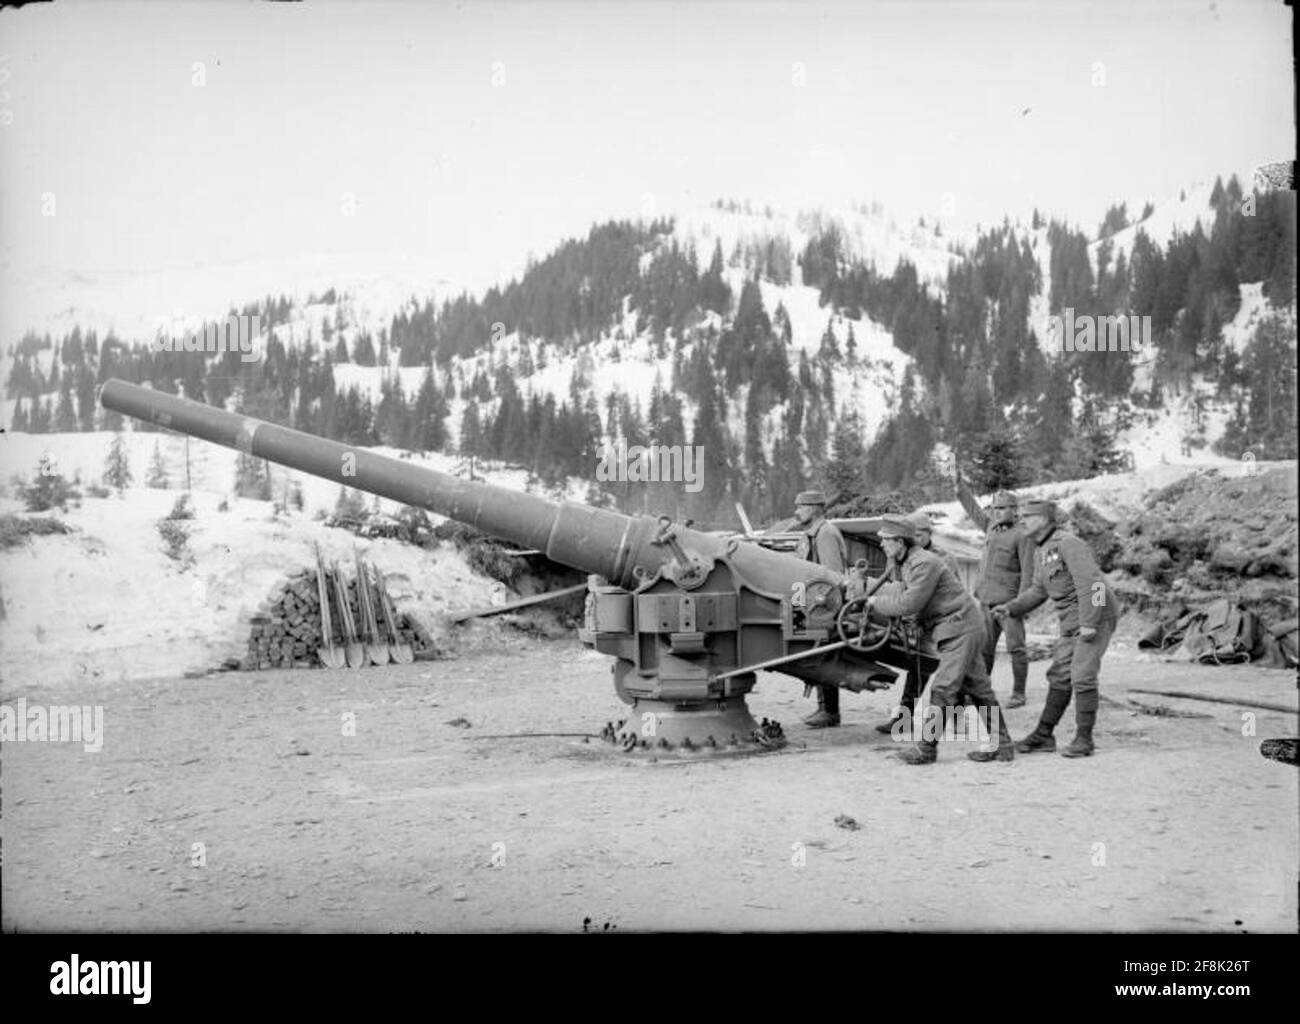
(706, 729)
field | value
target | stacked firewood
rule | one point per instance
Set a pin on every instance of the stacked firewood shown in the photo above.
(286, 628)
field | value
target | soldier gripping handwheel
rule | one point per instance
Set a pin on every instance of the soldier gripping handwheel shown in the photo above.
(929, 590)
(1066, 571)
(826, 547)
(914, 683)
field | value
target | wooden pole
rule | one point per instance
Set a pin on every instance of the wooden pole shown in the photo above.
(497, 609)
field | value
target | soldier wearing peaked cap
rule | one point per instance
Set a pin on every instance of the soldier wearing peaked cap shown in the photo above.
(1066, 571)
(927, 589)
(1007, 571)
(826, 547)
(923, 530)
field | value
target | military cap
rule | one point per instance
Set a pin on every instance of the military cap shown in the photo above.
(920, 521)
(1003, 499)
(892, 525)
(810, 498)
(1039, 507)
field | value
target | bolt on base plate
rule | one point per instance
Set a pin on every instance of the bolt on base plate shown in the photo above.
(709, 728)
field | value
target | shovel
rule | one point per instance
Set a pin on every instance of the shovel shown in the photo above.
(400, 652)
(356, 653)
(329, 656)
(378, 652)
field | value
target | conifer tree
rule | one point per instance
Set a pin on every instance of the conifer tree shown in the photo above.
(251, 478)
(471, 431)
(157, 474)
(65, 417)
(845, 471)
(117, 466)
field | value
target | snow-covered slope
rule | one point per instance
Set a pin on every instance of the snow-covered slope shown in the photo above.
(71, 612)
(622, 361)
(211, 467)
(131, 304)
(1172, 215)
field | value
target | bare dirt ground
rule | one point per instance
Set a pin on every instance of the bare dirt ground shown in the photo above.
(417, 824)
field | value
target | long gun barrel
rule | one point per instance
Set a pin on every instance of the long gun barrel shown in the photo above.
(623, 549)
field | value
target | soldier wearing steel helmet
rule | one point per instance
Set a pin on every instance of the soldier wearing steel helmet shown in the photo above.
(928, 590)
(1066, 571)
(826, 546)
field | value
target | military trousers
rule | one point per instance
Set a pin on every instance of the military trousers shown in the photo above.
(1076, 664)
(1015, 631)
(912, 688)
(961, 671)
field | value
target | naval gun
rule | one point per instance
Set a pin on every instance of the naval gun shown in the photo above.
(689, 617)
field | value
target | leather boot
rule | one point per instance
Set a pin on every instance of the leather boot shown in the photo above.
(1019, 677)
(923, 752)
(1006, 748)
(906, 709)
(1041, 739)
(1085, 717)
(828, 709)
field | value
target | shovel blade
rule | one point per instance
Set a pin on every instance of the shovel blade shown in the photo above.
(378, 654)
(331, 659)
(356, 656)
(401, 654)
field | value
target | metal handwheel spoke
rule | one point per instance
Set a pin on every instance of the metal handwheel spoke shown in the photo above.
(870, 636)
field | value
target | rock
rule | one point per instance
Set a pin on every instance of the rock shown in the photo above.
(1230, 556)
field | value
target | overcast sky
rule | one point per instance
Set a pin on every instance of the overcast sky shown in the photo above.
(469, 135)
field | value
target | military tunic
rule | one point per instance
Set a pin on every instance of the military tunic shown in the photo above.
(928, 590)
(826, 547)
(1007, 570)
(946, 558)
(1066, 571)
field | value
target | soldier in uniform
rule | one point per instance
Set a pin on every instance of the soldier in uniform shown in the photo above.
(925, 541)
(1007, 571)
(927, 589)
(914, 684)
(826, 547)
(1065, 571)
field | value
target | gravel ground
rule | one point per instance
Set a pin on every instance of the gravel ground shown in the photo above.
(437, 816)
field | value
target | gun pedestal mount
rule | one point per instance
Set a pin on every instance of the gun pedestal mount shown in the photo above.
(687, 616)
